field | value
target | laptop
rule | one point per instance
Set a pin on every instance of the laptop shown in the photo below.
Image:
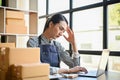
(101, 66)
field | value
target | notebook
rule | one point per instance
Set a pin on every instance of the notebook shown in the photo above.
(101, 66)
(55, 76)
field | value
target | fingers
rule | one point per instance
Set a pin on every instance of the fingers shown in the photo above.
(69, 30)
(70, 35)
(78, 69)
(82, 69)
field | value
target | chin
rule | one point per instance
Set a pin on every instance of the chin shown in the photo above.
(55, 37)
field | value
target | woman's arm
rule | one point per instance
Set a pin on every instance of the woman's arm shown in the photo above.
(71, 39)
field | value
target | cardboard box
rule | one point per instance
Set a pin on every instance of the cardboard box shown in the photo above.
(16, 29)
(14, 14)
(20, 56)
(30, 70)
(23, 55)
(12, 45)
(15, 22)
(17, 56)
(32, 78)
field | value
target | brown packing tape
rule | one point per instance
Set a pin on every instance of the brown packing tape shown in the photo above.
(15, 71)
(30, 70)
(3, 47)
(3, 51)
(5, 61)
(8, 73)
(4, 75)
(3, 68)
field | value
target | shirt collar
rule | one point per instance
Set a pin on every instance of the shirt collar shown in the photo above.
(45, 39)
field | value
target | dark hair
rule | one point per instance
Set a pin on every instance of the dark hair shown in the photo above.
(56, 18)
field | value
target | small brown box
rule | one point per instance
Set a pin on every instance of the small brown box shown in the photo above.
(22, 56)
(16, 29)
(15, 22)
(14, 14)
(30, 70)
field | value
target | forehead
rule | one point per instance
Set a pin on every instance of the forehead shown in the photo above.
(63, 24)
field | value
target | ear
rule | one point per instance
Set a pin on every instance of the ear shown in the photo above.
(50, 24)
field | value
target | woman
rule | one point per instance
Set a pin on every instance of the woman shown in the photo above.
(52, 51)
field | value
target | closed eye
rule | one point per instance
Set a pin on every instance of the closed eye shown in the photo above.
(61, 28)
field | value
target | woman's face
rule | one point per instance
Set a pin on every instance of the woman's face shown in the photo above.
(58, 29)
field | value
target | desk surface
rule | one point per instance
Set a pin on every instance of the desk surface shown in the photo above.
(105, 76)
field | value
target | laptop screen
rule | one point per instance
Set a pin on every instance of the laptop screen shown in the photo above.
(103, 61)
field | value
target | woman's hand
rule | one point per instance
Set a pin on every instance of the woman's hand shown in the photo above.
(73, 70)
(77, 69)
(70, 37)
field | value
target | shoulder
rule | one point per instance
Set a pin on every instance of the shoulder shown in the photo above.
(32, 42)
(33, 39)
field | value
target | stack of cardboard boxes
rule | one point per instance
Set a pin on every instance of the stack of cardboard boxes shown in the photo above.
(30, 72)
(3, 51)
(15, 22)
(22, 64)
